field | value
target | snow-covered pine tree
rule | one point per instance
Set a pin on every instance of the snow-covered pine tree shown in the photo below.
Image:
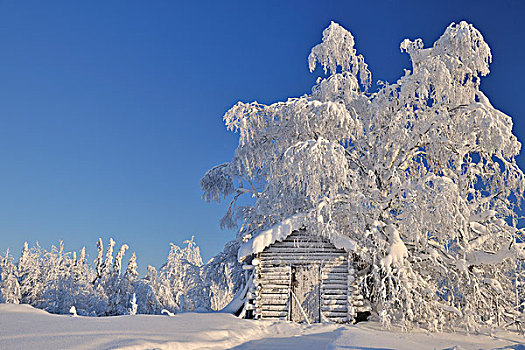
(128, 283)
(82, 275)
(421, 174)
(117, 299)
(9, 287)
(30, 276)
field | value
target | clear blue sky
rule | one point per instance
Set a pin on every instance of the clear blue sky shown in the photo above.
(111, 111)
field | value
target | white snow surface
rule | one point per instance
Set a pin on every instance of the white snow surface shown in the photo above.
(282, 230)
(24, 327)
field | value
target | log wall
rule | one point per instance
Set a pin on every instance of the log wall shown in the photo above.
(273, 277)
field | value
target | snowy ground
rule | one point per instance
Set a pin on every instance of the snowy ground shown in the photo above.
(23, 327)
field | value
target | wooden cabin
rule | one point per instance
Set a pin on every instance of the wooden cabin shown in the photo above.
(300, 276)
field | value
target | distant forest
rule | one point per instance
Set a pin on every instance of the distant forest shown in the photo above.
(66, 282)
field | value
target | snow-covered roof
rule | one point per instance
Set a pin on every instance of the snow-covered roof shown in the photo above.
(282, 230)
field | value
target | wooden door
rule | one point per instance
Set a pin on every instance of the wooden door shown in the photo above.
(306, 288)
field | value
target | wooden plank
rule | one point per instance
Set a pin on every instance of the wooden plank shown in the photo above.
(333, 285)
(311, 249)
(330, 292)
(271, 301)
(273, 295)
(268, 255)
(338, 319)
(304, 244)
(273, 314)
(273, 275)
(333, 313)
(334, 302)
(298, 260)
(335, 276)
(334, 297)
(273, 284)
(282, 308)
(267, 290)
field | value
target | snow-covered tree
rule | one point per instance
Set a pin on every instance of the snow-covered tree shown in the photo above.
(182, 273)
(9, 287)
(421, 174)
(117, 299)
(30, 276)
(127, 303)
(224, 276)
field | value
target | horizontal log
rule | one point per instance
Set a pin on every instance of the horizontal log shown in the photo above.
(280, 308)
(274, 278)
(275, 286)
(305, 237)
(298, 260)
(329, 292)
(316, 258)
(271, 301)
(304, 244)
(274, 314)
(334, 308)
(335, 254)
(334, 276)
(338, 319)
(337, 266)
(334, 297)
(333, 285)
(274, 274)
(334, 270)
(268, 290)
(328, 302)
(334, 313)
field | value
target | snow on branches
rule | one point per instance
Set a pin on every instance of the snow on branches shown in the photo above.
(421, 174)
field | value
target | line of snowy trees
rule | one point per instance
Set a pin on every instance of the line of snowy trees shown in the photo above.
(56, 281)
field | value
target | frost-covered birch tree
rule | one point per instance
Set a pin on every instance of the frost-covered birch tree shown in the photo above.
(420, 173)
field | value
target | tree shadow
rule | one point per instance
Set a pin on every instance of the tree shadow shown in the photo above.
(307, 341)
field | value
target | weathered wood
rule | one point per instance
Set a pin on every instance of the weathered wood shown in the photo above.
(304, 249)
(328, 284)
(334, 313)
(273, 275)
(335, 276)
(292, 260)
(266, 290)
(269, 255)
(274, 314)
(274, 284)
(335, 297)
(337, 319)
(272, 307)
(342, 268)
(334, 302)
(334, 309)
(330, 292)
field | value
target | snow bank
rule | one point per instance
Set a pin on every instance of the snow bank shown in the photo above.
(23, 327)
(282, 230)
(369, 335)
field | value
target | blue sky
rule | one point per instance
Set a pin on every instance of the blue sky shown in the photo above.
(111, 111)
